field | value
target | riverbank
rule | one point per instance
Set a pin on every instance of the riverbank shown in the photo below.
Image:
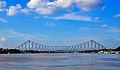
(109, 52)
(16, 51)
(6, 51)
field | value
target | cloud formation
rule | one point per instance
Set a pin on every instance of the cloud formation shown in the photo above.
(87, 5)
(47, 7)
(2, 5)
(104, 25)
(10, 33)
(63, 3)
(3, 20)
(86, 28)
(25, 11)
(13, 10)
(2, 39)
(33, 3)
(50, 24)
(44, 10)
(97, 18)
(40, 6)
(117, 16)
(72, 16)
(104, 7)
(114, 30)
(50, 6)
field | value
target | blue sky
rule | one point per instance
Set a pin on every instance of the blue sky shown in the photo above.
(64, 22)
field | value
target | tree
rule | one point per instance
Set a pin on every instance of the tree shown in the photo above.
(118, 48)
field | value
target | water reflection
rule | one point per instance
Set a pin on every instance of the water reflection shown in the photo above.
(63, 61)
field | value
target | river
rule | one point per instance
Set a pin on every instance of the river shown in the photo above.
(60, 61)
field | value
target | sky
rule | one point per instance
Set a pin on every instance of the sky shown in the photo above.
(59, 22)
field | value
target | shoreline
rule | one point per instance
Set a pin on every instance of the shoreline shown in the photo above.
(17, 51)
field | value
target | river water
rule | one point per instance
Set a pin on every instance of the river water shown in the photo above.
(60, 61)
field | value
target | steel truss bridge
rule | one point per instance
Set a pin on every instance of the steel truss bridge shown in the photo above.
(86, 46)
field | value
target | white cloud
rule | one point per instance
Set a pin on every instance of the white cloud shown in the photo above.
(33, 3)
(2, 5)
(72, 16)
(36, 17)
(117, 16)
(13, 10)
(25, 11)
(97, 18)
(87, 5)
(2, 39)
(85, 28)
(40, 7)
(50, 24)
(63, 3)
(10, 33)
(14, 38)
(47, 7)
(3, 20)
(43, 3)
(50, 6)
(44, 10)
(114, 30)
(103, 7)
(104, 25)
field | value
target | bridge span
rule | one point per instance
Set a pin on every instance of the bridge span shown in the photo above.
(86, 46)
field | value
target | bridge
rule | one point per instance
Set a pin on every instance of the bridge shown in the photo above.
(86, 46)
